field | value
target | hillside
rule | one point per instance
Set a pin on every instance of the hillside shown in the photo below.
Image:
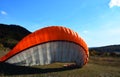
(111, 50)
(10, 35)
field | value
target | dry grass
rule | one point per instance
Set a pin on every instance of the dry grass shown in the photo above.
(97, 67)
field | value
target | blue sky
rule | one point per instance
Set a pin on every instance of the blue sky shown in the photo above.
(96, 21)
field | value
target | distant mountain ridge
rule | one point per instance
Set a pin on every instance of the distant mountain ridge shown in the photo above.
(110, 48)
(11, 34)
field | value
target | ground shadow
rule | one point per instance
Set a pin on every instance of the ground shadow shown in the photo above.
(9, 69)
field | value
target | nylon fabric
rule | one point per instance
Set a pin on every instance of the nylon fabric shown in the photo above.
(47, 34)
(47, 53)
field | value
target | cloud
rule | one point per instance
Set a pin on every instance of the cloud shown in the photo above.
(3, 12)
(85, 31)
(114, 3)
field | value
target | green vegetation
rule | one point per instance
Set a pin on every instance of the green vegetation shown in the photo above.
(10, 35)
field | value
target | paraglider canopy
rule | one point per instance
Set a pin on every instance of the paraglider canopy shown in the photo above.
(47, 35)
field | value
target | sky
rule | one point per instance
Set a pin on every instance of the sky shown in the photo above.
(96, 21)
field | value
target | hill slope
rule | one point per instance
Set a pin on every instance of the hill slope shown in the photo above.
(10, 35)
(111, 50)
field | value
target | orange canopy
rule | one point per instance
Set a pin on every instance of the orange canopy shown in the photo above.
(52, 33)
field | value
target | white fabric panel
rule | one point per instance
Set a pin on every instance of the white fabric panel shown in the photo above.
(52, 51)
(48, 53)
(64, 49)
(36, 55)
(40, 55)
(32, 56)
(59, 51)
(71, 52)
(44, 53)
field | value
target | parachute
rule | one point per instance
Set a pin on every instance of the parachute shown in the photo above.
(48, 45)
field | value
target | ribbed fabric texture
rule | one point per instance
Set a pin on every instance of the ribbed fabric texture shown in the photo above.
(46, 35)
(59, 51)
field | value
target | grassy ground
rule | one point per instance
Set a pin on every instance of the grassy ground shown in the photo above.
(96, 67)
